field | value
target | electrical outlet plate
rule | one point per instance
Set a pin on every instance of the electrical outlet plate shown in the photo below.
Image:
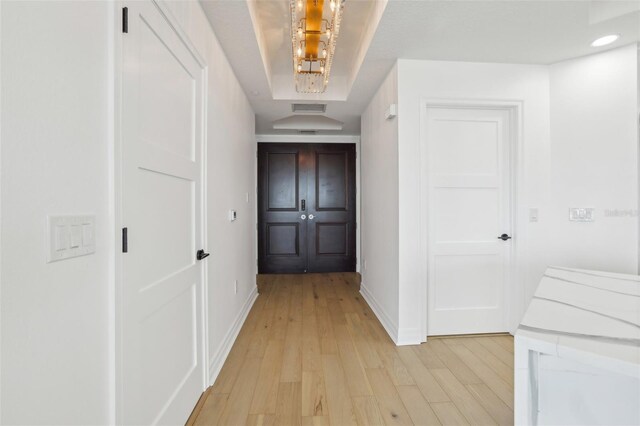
(70, 236)
(582, 214)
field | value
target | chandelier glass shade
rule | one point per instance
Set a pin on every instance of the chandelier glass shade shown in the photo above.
(314, 32)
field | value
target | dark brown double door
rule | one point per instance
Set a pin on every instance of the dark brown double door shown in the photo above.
(306, 208)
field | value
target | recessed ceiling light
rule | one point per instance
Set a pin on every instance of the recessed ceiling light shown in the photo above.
(603, 41)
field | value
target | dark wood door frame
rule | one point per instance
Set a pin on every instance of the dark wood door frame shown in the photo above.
(324, 225)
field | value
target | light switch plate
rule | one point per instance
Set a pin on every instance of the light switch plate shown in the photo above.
(533, 215)
(582, 214)
(70, 236)
(60, 237)
(75, 232)
(391, 112)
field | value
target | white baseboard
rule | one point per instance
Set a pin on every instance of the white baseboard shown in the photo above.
(383, 317)
(217, 361)
(409, 336)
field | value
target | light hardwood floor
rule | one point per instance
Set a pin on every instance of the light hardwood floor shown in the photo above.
(312, 352)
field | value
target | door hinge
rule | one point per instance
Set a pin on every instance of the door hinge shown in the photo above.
(125, 240)
(125, 20)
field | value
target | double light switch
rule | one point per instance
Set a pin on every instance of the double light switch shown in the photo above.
(582, 214)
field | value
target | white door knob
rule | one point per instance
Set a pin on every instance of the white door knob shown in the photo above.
(303, 217)
(311, 217)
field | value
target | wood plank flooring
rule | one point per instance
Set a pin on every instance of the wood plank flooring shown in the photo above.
(312, 352)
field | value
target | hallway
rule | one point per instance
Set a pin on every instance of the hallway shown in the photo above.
(312, 352)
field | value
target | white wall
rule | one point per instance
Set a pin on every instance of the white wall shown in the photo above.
(231, 154)
(379, 205)
(594, 160)
(528, 84)
(55, 148)
(419, 80)
(579, 148)
(57, 319)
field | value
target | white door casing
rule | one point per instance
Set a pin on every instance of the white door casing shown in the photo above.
(161, 335)
(469, 206)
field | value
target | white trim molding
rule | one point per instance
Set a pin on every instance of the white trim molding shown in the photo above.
(409, 336)
(217, 361)
(383, 317)
(308, 138)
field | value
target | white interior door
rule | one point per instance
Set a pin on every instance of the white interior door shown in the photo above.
(162, 369)
(469, 207)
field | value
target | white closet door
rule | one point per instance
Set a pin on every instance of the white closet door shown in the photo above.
(469, 207)
(162, 358)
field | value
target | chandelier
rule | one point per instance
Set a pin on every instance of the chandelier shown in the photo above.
(314, 32)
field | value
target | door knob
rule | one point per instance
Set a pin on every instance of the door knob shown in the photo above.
(311, 217)
(200, 254)
(504, 237)
(303, 217)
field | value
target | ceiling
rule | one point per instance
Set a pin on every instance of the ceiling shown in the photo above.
(255, 37)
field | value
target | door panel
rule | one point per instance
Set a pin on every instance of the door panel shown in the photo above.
(453, 291)
(306, 208)
(331, 187)
(455, 221)
(331, 181)
(283, 239)
(469, 207)
(282, 177)
(282, 236)
(333, 238)
(166, 110)
(175, 251)
(162, 368)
